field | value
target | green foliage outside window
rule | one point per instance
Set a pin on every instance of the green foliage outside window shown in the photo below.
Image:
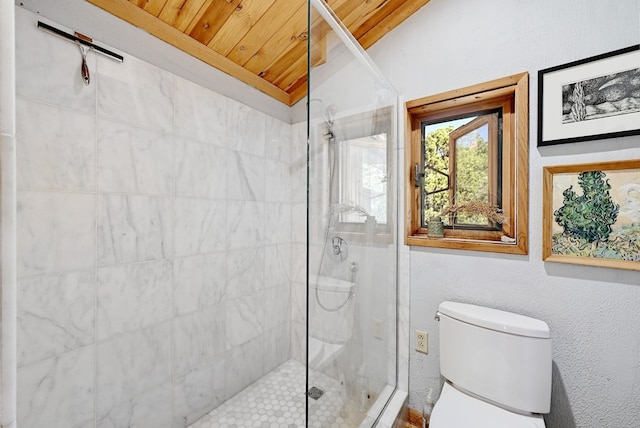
(436, 155)
(472, 162)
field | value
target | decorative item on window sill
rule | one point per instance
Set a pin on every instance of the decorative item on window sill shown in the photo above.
(370, 225)
(485, 209)
(435, 228)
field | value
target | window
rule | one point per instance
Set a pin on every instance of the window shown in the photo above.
(362, 177)
(360, 162)
(468, 166)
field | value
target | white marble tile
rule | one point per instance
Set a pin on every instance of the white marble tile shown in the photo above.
(298, 164)
(133, 160)
(278, 143)
(299, 142)
(277, 181)
(135, 92)
(298, 302)
(299, 341)
(55, 232)
(403, 374)
(198, 281)
(403, 332)
(133, 296)
(298, 174)
(48, 68)
(244, 319)
(200, 226)
(299, 223)
(58, 392)
(130, 369)
(133, 228)
(55, 314)
(199, 337)
(244, 365)
(200, 113)
(147, 409)
(277, 265)
(277, 346)
(246, 129)
(277, 229)
(245, 177)
(57, 149)
(404, 280)
(245, 272)
(277, 301)
(245, 224)
(201, 170)
(91, 423)
(299, 263)
(197, 392)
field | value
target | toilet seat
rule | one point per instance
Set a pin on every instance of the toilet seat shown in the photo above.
(455, 409)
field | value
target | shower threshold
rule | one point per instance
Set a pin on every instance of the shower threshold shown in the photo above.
(277, 400)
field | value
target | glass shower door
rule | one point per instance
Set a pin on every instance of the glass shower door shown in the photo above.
(352, 236)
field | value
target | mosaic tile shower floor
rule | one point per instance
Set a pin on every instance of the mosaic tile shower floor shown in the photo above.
(277, 401)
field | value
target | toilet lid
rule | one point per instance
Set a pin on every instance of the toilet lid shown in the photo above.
(456, 409)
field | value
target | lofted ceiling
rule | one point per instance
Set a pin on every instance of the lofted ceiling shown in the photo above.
(260, 42)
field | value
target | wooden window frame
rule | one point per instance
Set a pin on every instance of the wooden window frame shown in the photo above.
(512, 94)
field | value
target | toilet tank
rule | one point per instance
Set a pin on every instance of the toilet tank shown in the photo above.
(500, 356)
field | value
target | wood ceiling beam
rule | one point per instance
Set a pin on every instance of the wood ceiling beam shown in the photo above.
(260, 42)
(180, 13)
(390, 22)
(138, 17)
(281, 43)
(278, 15)
(215, 15)
(238, 24)
(152, 6)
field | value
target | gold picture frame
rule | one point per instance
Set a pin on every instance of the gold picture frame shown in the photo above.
(591, 214)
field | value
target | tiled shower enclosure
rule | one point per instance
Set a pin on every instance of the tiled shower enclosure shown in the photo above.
(154, 241)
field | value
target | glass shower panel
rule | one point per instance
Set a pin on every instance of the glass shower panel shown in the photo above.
(352, 236)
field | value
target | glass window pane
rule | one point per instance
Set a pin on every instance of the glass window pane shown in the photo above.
(363, 178)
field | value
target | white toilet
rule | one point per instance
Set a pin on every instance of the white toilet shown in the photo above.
(331, 319)
(497, 369)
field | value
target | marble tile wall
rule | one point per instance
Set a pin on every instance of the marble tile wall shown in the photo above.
(154, 240)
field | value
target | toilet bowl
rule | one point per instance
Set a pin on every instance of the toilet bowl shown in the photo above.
(497, 369)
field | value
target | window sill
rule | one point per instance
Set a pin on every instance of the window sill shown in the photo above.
(422, 240)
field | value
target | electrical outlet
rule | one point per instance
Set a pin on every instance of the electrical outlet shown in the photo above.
(422, 342)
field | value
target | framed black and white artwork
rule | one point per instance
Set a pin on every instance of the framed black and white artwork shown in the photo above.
(590, 99)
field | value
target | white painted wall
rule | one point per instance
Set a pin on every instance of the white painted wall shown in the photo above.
(593, 312)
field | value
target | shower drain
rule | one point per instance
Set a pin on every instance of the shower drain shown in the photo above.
(315, 392)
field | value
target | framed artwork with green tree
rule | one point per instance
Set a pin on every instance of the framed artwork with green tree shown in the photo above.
(591, 214)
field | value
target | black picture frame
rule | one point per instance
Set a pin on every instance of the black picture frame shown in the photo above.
(590, 99)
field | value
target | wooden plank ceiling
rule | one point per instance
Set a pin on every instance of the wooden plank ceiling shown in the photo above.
(261, 42)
